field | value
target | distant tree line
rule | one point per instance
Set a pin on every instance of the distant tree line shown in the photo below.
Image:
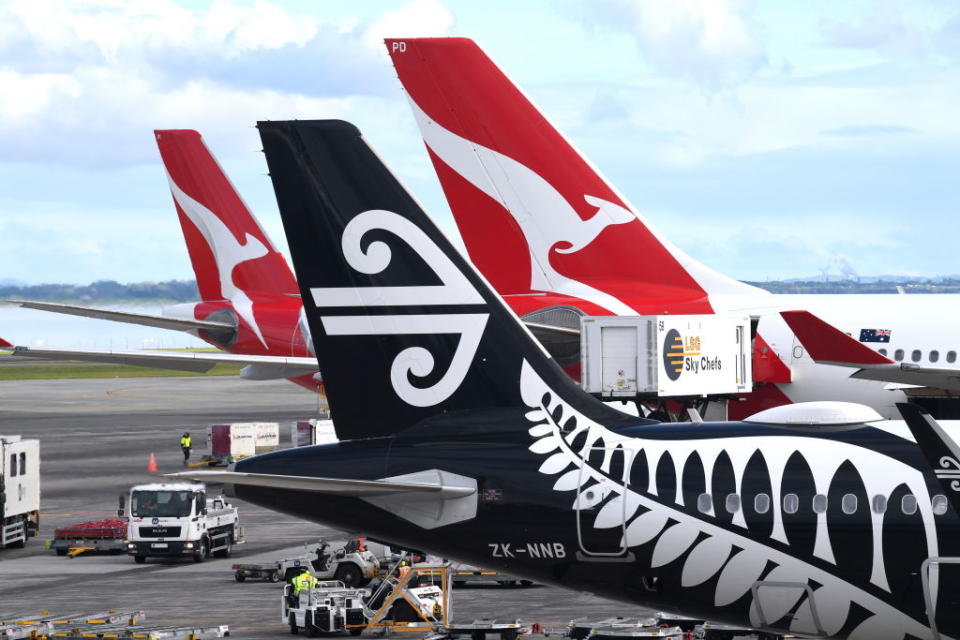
(110, 291)
(940, 285)
(106, 291)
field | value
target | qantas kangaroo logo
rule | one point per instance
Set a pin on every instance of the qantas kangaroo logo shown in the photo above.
(227, 253)
(455, 290)
(501, 178)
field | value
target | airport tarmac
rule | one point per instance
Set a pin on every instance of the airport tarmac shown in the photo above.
(96, 437)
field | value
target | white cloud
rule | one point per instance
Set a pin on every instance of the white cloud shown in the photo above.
(713, 42)
(419, 19)
(86, 82)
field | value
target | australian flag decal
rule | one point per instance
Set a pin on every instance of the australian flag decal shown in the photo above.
(875, 335)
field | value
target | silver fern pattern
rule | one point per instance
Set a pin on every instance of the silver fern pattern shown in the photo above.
(734, 561)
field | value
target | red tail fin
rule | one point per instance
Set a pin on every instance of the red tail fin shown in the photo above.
(231, 255)
(533, 212)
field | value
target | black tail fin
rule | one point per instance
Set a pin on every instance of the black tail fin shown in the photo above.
(404, 327)
(940, 450)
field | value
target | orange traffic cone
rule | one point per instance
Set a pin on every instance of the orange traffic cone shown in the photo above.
(152, 465)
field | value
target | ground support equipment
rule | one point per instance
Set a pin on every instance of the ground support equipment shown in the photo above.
(480, 630)
(269, 571)
(43, 624)
(106, 536)
(416, 599)
(119, 625)
(329, 607)
(712, 631)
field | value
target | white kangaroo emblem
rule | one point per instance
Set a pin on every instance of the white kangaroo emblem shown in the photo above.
(227, 252)
(503, 179)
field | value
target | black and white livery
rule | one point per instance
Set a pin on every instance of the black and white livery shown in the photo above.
(462, 437)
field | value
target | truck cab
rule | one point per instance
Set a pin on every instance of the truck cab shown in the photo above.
(179, 520)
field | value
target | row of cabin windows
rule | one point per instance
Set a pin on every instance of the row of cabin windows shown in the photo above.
(791, 503)
(916, 355)
(14, 467)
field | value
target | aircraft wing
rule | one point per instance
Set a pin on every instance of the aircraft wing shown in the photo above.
(257, 367)
(828, 345)
(336, 486)
(145, 319)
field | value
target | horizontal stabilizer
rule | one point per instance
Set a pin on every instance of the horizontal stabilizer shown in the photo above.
(143, 319)
(335, 486)
(828, 345)
(198, 362)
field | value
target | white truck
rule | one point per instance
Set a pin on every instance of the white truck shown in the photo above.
(178, 520)
(19, 490)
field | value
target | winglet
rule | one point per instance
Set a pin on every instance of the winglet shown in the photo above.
(940, 450)
(5, 344)
(827, 344)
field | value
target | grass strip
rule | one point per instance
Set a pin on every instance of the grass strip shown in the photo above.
(60, 370)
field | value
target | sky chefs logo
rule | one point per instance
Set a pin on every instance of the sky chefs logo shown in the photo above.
(673, 354)
(684, 353)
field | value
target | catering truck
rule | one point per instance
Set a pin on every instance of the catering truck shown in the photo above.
(178, 520)
(19, 490)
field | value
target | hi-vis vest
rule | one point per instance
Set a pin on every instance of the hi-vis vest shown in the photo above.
(303, 581)
(185, 441)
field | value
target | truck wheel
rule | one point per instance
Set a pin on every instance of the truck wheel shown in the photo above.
(274, 576)
(349, 574)
(201, 553)
(139, 559)
(225, 552)
(292, 620)
(239, 577)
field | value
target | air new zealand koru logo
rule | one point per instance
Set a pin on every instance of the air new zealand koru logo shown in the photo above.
(454, 290)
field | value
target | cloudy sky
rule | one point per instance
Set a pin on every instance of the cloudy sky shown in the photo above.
(767, 139)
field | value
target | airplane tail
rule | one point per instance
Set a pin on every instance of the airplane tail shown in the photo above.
(231, 254)
(534, 213)
(404, 328)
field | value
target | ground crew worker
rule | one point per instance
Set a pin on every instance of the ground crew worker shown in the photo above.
(304, 580)
(185, 442)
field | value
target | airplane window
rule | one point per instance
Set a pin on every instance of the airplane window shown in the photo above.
(733, 503)
(761, 503)
(23, 462)
(908, 505)
(934, 355)
(915, 355)
(898, 355)
(849, 503)
(951, 356)
(882, 351)
(13, 464)
(879, 504)
(791, 503)
(819, 503)
(704, 502)
(939, 505)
